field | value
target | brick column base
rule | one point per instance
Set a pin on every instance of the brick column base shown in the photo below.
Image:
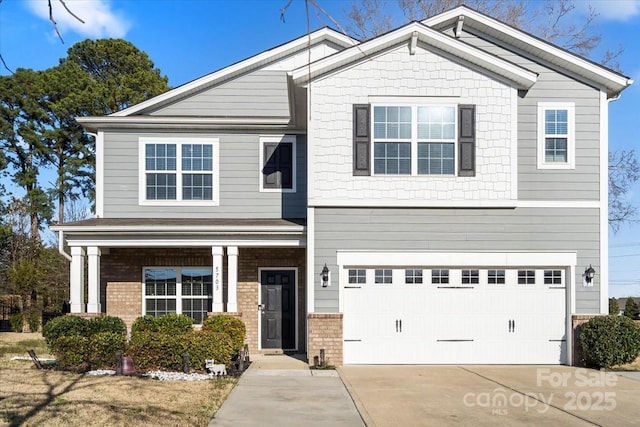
(325, 332)
(124, 300)
(577, 320)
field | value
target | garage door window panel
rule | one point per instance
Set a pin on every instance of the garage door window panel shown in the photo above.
(526, 277)
(440, 277)
(357, 276)
(553, 277)
(384, 276)
(413, 276)
(496, 277)
(470, 277)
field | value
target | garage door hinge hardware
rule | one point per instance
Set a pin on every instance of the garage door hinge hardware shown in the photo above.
(398, 325)
(512, 325)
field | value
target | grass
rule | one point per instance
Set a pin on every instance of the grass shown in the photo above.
(54, 398)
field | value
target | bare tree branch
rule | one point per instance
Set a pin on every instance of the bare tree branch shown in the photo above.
(53, 21)
(3, 62)
(70, 12)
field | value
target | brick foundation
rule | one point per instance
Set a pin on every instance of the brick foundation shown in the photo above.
(577, 320)
(325, 332)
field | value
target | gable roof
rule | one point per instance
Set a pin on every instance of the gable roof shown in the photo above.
(521, 77)
(244, 66)
(610, 81)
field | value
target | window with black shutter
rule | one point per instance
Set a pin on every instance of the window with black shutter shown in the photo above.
(278, 161)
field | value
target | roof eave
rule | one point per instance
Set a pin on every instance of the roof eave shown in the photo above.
(522, 78)
(240, 67)
(611, 81)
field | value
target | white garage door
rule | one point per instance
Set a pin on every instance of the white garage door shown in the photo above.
(454, 316)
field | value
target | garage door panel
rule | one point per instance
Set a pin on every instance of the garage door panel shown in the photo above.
(483, 324)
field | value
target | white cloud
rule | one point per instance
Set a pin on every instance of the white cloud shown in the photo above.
(99, 18)
(616, 10)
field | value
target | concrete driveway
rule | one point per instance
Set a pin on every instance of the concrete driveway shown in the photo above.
(492, 395)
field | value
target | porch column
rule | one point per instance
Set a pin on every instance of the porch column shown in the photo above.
(76, 280)
(93, 306)
(217, 252)
(232, 279)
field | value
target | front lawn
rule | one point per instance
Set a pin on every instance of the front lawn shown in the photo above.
(53, 398)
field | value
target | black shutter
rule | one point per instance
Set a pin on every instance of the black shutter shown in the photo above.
(361, 139)
(467, 140)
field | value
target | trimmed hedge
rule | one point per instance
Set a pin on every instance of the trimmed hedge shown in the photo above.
(173, 324)
(157, 350)
(80, 344)
(610, 341)
(64, 326)
(229, 325)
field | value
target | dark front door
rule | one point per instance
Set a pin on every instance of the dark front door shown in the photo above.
(278, 309)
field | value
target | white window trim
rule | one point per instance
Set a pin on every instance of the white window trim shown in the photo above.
(571, 145)
(414, 138)
(178, 296)
(178, 141)
(278, 138)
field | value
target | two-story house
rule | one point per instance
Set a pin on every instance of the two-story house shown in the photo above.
(437, 194)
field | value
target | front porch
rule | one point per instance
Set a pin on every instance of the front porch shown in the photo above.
(195, 270)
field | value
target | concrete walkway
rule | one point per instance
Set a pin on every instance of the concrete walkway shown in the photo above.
(279, 390)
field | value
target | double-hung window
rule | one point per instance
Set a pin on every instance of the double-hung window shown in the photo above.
(278, 164)
(414, 140)
(436, 140)
(186, 290)
(178, 171)
(556, 135)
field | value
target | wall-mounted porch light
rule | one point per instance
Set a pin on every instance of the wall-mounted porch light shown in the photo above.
(324, 275)
(589, 274)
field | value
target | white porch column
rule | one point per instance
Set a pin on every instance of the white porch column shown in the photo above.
(232, 279)
(93, 305)
(217, 252)
(76, 279)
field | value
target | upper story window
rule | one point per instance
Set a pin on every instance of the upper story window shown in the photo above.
(414, 140)
(178, 171)
(278, 164)
(556, 135)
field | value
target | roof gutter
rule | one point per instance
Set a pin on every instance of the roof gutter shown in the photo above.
(61, 245)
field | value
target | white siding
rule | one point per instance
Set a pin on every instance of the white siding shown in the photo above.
(396, 73)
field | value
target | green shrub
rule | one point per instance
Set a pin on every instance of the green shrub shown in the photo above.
(103, 347)
(203, 345)
(232, 326)
(33, 320)
(609, 341)
(65, 326)
(172, 324)
(155, 350)
(17, 322)
(72, 352)
(107, 324)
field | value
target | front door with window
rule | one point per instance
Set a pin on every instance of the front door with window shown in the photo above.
(278, 309)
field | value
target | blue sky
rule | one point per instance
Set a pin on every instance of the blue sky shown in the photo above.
(190, 38)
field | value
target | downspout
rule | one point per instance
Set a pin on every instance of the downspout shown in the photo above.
(61, 246)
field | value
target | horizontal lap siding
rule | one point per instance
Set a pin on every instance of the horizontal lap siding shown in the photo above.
(582, 183)
(239, 181)
(258, 94)
(491, 230)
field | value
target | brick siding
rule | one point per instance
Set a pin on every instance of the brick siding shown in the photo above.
(325, 332)
(121, 281)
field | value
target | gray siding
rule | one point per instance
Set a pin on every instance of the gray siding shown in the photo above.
(533, 184)
(257, 94)
(240, 195)
(495, 230)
